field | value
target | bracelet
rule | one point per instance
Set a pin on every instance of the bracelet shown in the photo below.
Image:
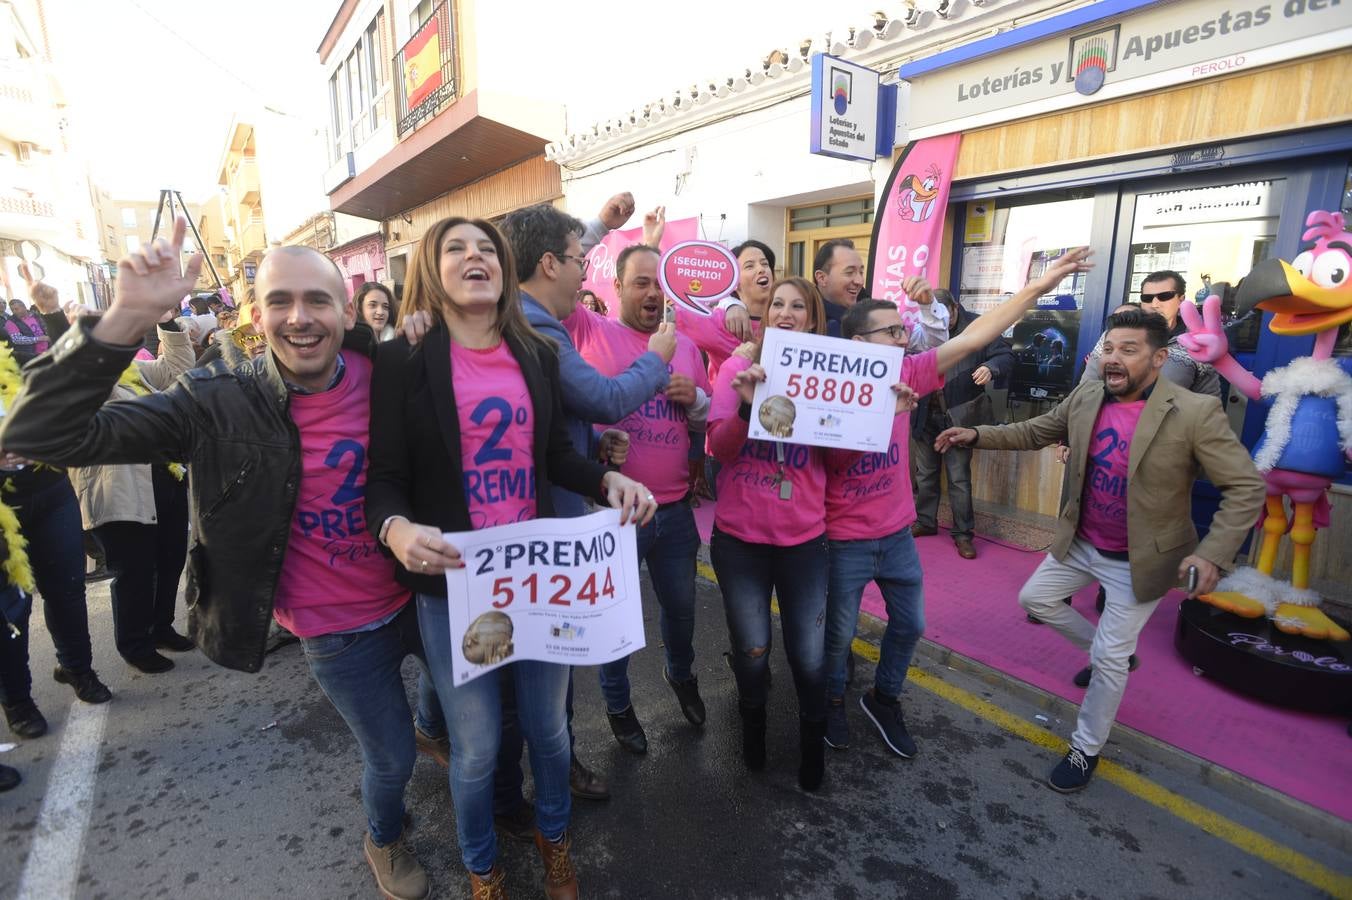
(385, 529)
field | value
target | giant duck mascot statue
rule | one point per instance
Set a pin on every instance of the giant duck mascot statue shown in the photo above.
(1309, 425)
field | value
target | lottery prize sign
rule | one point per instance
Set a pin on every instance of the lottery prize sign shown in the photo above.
(557, 590)
(825, 392)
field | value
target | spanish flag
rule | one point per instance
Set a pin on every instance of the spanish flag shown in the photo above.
(422, 64)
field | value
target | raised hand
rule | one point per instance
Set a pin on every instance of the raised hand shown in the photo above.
(654, 226)
(1076, 260)
(149, 284)
(617, 210)
(1205, 341)
(918, 290)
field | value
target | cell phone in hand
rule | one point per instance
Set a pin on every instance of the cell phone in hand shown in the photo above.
(1192, 580)
(669, 312)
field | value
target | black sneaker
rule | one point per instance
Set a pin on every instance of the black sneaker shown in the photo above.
(890, 723)
(837, 727)
(1073, 773)
(687, 693)
(518, 825)
(25, 721)
(150, 663)
(87, 685)
(171, 640)
(9, 778)
(628, 732)
(1082, 676)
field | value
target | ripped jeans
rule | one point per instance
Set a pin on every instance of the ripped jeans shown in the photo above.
(747, 573)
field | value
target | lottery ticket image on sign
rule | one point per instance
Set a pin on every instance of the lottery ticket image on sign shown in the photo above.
(557, 590)
(825, 392)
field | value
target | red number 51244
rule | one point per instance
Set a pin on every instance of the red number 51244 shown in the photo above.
(505, 590)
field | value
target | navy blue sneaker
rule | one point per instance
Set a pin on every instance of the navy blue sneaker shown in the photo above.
(890, 723)
(1073, 773)
(837, 727)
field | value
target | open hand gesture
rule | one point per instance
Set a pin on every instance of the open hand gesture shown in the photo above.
(1076, 260)
(149, 284)
(654, 226)
(1205, 341)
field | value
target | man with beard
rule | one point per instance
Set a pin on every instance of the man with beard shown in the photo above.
(1137, 444)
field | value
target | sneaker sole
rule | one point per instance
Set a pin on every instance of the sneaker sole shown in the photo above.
(883, 733)
(1070, 790)
(828, 743)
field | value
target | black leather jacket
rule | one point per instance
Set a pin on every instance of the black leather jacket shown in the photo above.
(233, 428)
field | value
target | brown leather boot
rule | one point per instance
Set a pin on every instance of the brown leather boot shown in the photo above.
(492, 886)
(560, 876)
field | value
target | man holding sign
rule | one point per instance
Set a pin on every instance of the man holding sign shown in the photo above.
(666, 436)
(870, 495)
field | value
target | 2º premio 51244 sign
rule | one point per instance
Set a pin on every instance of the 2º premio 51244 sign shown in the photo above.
(557, 590)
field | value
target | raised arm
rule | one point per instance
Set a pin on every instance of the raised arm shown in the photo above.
(991, 325)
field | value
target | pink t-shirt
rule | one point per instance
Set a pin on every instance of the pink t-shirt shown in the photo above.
(497, 435)
(1103, 505)
(711, 335)
(334, 577)
(659, 438)
(868, 495)
(751, 506)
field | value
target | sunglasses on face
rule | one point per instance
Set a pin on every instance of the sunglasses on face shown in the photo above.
(1161, 297)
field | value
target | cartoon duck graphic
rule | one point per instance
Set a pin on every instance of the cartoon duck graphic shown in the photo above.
(1308, 432)
(916, 196)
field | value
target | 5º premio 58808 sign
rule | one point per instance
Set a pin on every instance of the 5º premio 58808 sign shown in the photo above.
(557, 590)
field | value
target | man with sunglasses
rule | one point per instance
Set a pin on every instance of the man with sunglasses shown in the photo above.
(869, 508)
(1163, 293)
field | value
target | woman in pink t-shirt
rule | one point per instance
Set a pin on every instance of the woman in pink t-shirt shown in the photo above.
(769, 535)
(467, 432)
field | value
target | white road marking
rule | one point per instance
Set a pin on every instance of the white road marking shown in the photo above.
(58, 841)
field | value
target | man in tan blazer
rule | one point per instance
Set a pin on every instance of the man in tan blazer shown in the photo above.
(1137, 443)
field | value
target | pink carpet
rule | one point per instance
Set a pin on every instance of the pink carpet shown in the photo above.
(971, 607)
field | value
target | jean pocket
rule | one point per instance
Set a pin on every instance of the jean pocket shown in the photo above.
(327, 646)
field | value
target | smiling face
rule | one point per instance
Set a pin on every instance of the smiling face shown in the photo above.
(470, 271)
(641, 300)
(789, 310)
(843, 278)
(375, 310)
(754, 276)
(302, 312)
(1129, 364)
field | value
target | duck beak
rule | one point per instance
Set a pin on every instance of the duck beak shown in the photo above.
(1299, 306)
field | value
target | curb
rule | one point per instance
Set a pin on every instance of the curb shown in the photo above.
(1311, 822)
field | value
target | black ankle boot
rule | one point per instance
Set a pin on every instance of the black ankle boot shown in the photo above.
(753, 736)
(812, 746)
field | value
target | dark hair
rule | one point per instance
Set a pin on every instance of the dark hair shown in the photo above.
(1165, 275)
(536, 230)
(623, 259)
(1152, 323)
(945, 296)
(855, 320)
(423, 290)
(371, 287)
(752, 242)
(822, 261)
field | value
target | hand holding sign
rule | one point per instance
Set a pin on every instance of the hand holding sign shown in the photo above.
(697, 274)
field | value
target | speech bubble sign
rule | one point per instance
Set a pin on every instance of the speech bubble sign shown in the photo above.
(697, 274)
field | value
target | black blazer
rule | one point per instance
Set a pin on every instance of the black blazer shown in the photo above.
(415, 468)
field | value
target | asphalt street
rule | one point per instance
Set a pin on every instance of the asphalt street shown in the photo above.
(202, 782)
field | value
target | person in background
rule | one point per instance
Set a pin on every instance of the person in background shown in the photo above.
(1129, 527)
(377, 307)
(481, 380)
(587, 299)
(963, 401)
(25, 329)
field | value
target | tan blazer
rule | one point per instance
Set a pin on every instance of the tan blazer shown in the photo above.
(1179, 433)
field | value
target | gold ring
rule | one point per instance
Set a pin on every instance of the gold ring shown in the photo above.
(424, 564)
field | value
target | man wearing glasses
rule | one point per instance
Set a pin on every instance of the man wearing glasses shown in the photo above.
(1163, 293)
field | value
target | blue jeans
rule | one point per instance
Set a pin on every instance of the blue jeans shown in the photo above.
(360, 674)
(746, 575)
(50, 519)
(669, 544)
(892, 562)
(474, 718)
(16, 682)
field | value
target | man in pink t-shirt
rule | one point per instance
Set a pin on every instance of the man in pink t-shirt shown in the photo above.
(870, 509)
(666, 444)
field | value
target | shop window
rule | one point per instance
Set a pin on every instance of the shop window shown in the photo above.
(1216, 234)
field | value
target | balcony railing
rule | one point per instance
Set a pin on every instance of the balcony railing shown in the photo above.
(424, 70)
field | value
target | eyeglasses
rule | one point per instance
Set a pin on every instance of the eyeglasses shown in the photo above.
(895, 332)
(582, 261)
(1161, 297)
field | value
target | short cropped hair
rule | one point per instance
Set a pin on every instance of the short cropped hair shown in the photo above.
(1166, 275)
(627, 253)
(855, 320)
(536, 230)
(822, 261)
(1155, 327)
